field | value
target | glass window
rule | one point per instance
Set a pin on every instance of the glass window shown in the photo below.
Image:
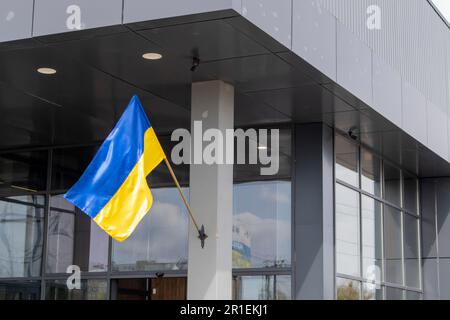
(393, 245)
(74, 238)
(60, 239)
(255, 288)
(410, 193)
(244, 172)
(394, 294)
(161, 238)
(413, 295)
(264, 287)
(21, 233)
(372, 291)
(282, 287)
(348, 289)
(347, 231)
(262, 224)
(370, 173)
(411, 247)
(90, 290)
(346, 161)
(392, 184)
(20, 290)
(24, 172)
(372, 235)
(69, 164)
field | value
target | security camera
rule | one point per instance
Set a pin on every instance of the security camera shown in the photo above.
(351, 134)
(195, 63)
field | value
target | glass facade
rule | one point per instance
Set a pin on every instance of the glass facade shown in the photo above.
(377, 225)
(377, 228)
(267, 287)
(262, 215)
(41, 234)
(160, 241)
(262, 226)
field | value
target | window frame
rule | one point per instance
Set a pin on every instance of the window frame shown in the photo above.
(400, 208)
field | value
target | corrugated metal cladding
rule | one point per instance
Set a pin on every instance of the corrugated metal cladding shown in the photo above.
(412, 39)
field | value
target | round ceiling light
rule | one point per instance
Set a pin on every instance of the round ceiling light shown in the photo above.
(46, 70)
(152, 56)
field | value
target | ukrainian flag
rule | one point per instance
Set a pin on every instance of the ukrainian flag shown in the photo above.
(113, 190)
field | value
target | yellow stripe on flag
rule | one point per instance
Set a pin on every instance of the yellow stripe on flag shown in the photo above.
(133, 199)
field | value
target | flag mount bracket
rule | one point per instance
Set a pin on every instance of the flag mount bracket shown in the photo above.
(202, 236)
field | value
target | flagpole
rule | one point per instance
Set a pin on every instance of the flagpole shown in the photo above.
(201, 231)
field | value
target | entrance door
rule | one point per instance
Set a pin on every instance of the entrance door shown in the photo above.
(149, 289)
(168, 289)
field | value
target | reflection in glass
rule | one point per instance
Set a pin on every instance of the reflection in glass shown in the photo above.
(394, 294)
(21, 238)
(244, 171)
(262, 224)
(346, 161)
(410, 193)
(160, 240)
(69, 164)
(60, 239)
(370, 173)
(264, 287)
(348, 289)
(372, 235)
(393, 245)
(282, 287)
(24, 172)
(412, 295)
(347, 231)
(74, 238)
(392, 184)
(20, 290)
(372, 291)
(254, 288)
(90, 290)
(411, 247)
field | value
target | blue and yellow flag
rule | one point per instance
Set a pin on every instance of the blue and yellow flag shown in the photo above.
(113, 190)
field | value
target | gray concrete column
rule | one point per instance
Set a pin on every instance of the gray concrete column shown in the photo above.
(211, 196)
(314, 212)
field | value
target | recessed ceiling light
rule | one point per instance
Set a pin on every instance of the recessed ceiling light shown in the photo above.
(46, 70)
(262, 147)
(152, 56)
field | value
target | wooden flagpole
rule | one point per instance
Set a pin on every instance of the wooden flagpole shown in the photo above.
(201, 230)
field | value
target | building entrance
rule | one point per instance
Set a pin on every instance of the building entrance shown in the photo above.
(173, 288)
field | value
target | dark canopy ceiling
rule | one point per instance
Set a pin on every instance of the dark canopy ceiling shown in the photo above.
(99, 70)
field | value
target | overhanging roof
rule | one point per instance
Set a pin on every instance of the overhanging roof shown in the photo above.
(100, 69)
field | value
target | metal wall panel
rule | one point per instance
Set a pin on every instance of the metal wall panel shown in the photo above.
(414, 112)
(387, 90)
(354, 65)
(411, 40)
(415, 43)
(273, 17)
(143, 10)
(71, 15)
(437, 127)
(15, 19)
(314, 36)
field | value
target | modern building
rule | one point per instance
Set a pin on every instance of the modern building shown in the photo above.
(359, 89)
